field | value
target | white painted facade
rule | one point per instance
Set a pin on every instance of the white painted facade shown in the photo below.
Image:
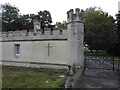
(36, 51)
(65, 48)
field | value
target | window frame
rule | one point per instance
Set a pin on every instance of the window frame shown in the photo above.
(17, 50)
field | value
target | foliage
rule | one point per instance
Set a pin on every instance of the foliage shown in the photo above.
(9, 15)
(99, 53)
(24, 77)
(118, 34)
(99, 29)
(118, 26)
(116, 49)
(62, 25)
(45, 18)
(24, 22)
(12, 20)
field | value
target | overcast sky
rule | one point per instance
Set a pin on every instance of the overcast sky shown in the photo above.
(58, 8)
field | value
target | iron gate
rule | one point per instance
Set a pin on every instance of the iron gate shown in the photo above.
(99, 62)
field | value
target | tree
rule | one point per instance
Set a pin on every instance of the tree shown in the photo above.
(62, 25)
(45, 17)
(24, 22)
(116, 49)
(118, 27)
(99, 29)
(9, 15)
(12, 20)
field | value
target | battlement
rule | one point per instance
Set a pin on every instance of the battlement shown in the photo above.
(37, 34)
(24, 35)
(76, 16)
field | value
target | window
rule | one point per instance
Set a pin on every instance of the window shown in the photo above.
(17, 49)
(61, 32)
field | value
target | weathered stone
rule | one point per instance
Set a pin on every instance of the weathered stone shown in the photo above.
(66, 45)
(10, 35)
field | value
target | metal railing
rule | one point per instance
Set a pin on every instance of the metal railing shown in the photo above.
(102, 62)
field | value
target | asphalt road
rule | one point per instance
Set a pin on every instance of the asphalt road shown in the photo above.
(97, 78)
(101, 77)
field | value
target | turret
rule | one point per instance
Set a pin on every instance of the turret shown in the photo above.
(75, 37)
(70, 16)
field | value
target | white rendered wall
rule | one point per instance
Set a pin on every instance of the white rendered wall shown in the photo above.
(36, 51)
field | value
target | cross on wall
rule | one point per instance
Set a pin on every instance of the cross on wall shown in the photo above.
(48, 46)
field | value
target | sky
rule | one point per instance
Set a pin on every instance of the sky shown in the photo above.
(59, 8)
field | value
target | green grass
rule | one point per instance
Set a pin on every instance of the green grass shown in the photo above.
(23, 77)
(97, 54)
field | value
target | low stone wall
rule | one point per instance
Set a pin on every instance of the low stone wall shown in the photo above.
(74, 81)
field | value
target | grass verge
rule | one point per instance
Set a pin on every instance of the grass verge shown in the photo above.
(24, 77)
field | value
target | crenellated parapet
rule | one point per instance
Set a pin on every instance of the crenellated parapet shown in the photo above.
(25, 35)
(76, 16)
(75, 29)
